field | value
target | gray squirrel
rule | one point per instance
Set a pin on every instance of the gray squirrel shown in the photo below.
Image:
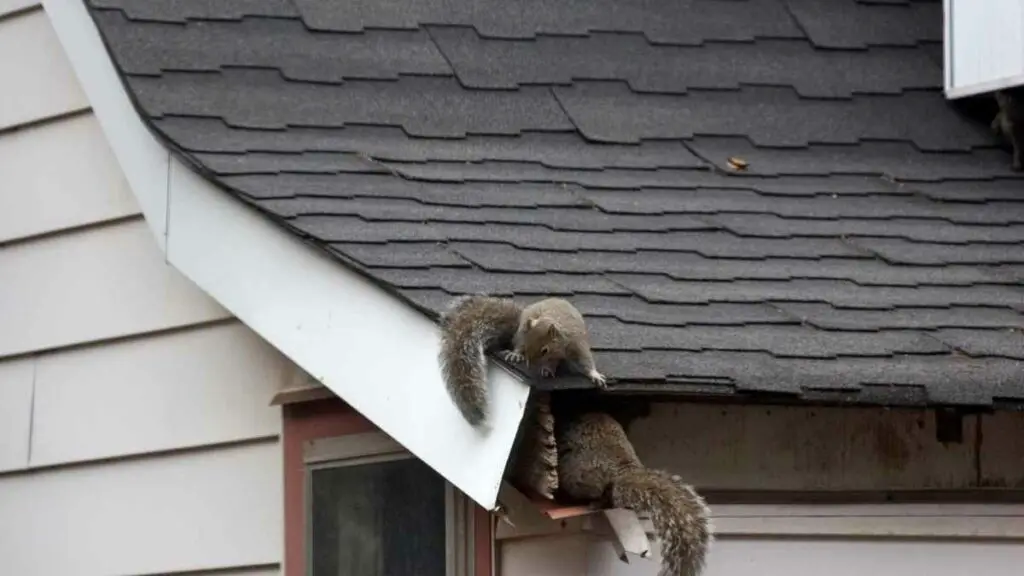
(542, 335)
(597, 463)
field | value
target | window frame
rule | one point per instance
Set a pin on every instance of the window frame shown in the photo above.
(321, 433)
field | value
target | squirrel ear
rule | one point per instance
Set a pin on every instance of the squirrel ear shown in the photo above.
(531, 323)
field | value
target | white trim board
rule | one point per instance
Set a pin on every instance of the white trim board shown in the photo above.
(375, 352)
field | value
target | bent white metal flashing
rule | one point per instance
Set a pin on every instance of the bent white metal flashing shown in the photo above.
(372, 350)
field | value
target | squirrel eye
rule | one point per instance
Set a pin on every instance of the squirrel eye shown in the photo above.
(544, 351)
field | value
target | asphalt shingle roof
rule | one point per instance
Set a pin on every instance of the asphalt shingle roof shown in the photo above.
(872, 251)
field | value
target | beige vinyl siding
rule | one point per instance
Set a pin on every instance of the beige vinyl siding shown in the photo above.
(8, 7)
(15, 412)
(191, 388)
(37, 80)
(96, 284)
(136, 435)
(57, 176)
(197, 510)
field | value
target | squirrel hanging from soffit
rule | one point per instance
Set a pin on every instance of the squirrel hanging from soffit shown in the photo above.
(596, 461)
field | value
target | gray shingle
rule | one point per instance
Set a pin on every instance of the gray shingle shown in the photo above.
(182, 10)
(633, 310)
(831, 318)
(659, 19)
(784, 341)
(574, 219)
(869, 252)
(1006, 343)
(412, 255)
(490, 64)
(768, 225)
(709, 201)
(272, 42)
(848, 24)
(835, 292)
(456, 281)
(904, 252)
(307, 163)
(768, 116)
(555, 150)
(688, 266)
(896, 159)
(423, 106)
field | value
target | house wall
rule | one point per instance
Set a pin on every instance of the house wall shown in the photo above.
(136, 435)
(793, 490)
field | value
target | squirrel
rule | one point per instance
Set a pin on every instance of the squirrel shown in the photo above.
(1009, 122)
(542, 335)
(597, 463)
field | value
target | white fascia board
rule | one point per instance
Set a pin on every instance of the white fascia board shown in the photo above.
(141, 157)
(375, 352)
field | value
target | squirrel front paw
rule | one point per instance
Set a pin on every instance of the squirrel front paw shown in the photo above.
(597, 378)
(512, 357)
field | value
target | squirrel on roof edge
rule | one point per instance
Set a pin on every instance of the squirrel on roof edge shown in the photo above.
(543, 335)
(596, 461)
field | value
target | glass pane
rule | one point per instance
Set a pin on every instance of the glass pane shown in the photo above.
(381, 519)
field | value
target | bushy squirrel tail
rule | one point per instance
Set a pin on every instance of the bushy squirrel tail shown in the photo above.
(473, 325)
(680, 517)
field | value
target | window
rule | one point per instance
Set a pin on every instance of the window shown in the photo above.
(358, 504)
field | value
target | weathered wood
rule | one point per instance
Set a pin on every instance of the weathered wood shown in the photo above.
(1002, 450)
(794, 448)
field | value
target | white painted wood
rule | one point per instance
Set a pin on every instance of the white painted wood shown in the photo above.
(15, 412)
(59, 175)
(373, 351)
(630, 537)
(10, 6)
(86, 286)
(192, 511)
(793, 448)
(192, 388)
(143, 160)
(834, 557)
(37, 81)
(985, 45)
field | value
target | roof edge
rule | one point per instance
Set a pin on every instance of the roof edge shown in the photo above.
(371, 349)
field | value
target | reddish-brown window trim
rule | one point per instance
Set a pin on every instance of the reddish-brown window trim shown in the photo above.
(306, 421)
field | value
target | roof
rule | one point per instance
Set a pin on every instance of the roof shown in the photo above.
(871, 251)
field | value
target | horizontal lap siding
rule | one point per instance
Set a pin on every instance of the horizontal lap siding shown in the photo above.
(136, 435)
(57, 176)
(193, 511)
(36, 76)
(93, 285)
(199, 387)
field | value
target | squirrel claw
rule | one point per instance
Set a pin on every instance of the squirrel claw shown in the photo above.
(512, 357)
(598, 378)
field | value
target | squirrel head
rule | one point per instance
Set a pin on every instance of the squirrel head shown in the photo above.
(545, 344)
